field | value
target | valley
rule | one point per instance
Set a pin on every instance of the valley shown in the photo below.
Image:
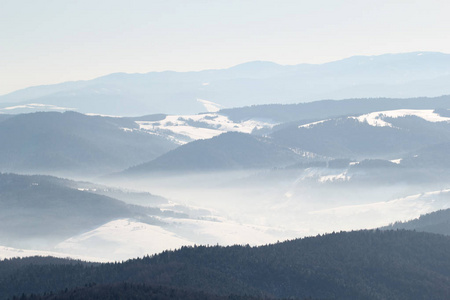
(224, 150)
(214, 178)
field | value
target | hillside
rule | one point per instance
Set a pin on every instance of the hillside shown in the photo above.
(432, 156)
(346, 265)
(130, 291)
(380, 134)
(73, 143)
(64, 218)
(435, 222)
(325, 109)
(227, 151)
(4, 117)
(42, 210)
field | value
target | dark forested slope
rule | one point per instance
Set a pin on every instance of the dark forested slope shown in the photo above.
(435, 222)
(325, 109)
(347, 265)
(227, 151)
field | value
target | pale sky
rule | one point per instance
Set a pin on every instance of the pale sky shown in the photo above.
(51, 41)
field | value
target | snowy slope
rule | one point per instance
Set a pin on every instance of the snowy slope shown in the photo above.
(125, 238)
(389, 134)
(377, 214)
(377, 118)
(209, 105)
(186, 128)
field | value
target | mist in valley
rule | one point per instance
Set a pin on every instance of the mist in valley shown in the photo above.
(298, 203)
(217, 178)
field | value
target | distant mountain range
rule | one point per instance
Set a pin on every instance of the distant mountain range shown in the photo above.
(391, 75)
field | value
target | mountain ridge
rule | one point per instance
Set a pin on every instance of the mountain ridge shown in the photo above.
(244, 84)
(227, 151)
(55, 142)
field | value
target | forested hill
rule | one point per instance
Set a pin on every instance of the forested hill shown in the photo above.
(325, 109)
(231, 150)
(347, 265)
(130, 291)
(435, 222)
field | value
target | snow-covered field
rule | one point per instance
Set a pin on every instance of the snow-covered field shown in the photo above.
(125, 238)
(184, 129)
(378, 118)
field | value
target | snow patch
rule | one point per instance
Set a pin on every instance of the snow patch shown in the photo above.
(334, 178)
(309, 125)
(127, 129)
(210, 106)
(376, 118)
(396, 161)
(186, 128)
(35, 106)
(102, 115)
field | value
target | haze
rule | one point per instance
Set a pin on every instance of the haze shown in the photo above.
(45, 42)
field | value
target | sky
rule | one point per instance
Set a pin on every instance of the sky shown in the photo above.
(52, 41)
